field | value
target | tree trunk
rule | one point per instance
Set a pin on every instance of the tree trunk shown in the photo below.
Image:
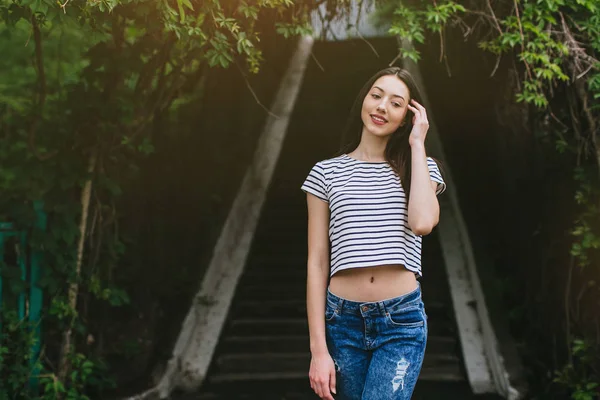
(64, 365)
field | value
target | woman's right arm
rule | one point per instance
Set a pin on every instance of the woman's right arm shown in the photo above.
(322, 368)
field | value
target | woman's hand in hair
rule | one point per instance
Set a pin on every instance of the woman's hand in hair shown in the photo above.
(322, 375)
(420, 124)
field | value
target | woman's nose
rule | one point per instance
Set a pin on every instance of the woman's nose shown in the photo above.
(381, 107)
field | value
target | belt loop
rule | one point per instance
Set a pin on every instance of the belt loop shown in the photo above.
(340, 305)
(381, 306)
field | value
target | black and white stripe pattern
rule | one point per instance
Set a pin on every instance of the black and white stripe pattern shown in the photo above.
(368, 213)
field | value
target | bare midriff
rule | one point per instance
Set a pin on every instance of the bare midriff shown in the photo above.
(373, 283)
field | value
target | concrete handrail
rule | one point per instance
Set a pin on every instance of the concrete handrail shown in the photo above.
(484, 363)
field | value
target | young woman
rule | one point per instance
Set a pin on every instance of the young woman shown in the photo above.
(367, 211)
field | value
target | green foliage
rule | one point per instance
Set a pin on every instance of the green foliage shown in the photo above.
(17, 367)
(294, 28)
(587, 239)
(579, 375)
(543, 39)
(15, 355)
(86, 81)
(410, 22)
(85, 375)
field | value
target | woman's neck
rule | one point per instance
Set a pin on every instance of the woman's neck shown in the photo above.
(370, 148)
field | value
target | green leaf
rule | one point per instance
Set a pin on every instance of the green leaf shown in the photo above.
(181, 10)
(188, 4)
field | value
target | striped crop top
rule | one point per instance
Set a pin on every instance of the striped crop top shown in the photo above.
(368, 213)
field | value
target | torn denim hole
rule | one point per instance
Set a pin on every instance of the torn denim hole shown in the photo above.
(401, 370)
(337, 367)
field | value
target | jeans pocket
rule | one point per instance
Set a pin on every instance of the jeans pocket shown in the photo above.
(330, 312)
(410, 317)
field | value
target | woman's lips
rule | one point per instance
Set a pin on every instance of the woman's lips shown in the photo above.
(377, 120)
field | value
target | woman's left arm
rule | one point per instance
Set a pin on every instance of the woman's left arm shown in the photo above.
(423, 206)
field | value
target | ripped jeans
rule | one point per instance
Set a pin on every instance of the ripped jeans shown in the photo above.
(377, 347)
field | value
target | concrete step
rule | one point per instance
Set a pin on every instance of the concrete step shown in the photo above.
(300, 343)
(295, 308)
(299, 326)
(299, 389)
(285, 273)
(288, 227)
(277, 259)
(267, 366)
(281, 238)
(266, 291)
(288, 308)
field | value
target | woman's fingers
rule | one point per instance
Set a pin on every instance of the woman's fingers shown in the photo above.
(418, 107)
(415, 112)
(322, 388)
(332, 381)
(417, 104)
(325, 392)
(417, 116)
(419, 111)
(315, 387)
(322, 377)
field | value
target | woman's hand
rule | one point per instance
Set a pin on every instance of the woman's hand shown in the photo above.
(322, 375)
(420, 124)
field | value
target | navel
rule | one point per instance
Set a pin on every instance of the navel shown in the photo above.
(372, 279)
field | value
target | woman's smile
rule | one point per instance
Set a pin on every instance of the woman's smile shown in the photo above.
(378, 120)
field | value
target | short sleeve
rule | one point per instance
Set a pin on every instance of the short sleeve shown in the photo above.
(316, 183)
(436, 176)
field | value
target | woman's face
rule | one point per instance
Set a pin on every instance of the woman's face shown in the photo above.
(385, 106)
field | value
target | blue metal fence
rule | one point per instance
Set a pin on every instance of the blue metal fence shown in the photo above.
(29, 301)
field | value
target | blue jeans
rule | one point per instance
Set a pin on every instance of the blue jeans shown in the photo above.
(377, 347)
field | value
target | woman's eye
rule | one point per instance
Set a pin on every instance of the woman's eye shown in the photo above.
(397, 105)
(375, 96)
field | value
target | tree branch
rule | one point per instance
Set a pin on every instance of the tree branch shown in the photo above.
(494, 18)
(317, 61)
(253, 93)
(522, 37)
(366, 41)
(41, 91)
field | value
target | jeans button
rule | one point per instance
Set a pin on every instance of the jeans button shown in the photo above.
(365, 308)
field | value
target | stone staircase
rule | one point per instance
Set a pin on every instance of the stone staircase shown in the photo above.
(266, 336)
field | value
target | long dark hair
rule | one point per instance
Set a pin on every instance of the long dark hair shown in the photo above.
(397, 150)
